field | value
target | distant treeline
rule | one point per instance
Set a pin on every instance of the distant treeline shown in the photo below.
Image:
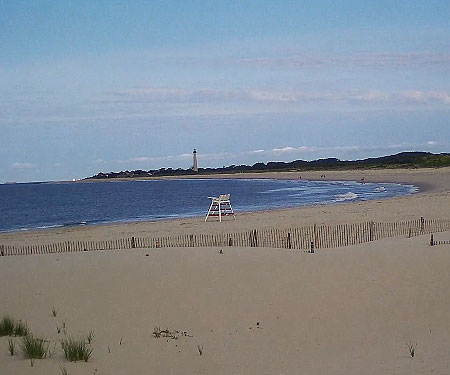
(401, 160)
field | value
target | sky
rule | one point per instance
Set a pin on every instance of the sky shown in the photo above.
(100, 86)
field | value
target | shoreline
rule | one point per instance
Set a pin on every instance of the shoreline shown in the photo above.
(410, 176)
(83, 224)
(432, 201)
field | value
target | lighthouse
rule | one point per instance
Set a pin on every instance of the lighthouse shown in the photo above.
(195, 167)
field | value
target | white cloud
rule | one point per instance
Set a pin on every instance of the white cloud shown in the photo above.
(284, 149)
(296, 98)
(142, 159)
(427, 97)
(156, 159)
(177, 95)
(18, 165)
(272, 96)
(158, 103)
(363, 60)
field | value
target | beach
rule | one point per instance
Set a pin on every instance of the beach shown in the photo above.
(432, 202)
(349, 310)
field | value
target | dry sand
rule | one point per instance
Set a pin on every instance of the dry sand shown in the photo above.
(342, 311)
(339, 311)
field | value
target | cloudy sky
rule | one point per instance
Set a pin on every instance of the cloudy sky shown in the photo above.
(90, 86)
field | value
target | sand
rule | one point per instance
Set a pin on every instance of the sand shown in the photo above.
(348, 310)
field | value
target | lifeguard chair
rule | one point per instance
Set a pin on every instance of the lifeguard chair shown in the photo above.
(220, 206)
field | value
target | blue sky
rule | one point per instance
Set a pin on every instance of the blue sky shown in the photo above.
(90, 86)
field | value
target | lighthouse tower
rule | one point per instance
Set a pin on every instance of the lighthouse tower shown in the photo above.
(195, 167)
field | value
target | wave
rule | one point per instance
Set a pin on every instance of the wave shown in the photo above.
(74, 223)
(284, 189)
(345, 197)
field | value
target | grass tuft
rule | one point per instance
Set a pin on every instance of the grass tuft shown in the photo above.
(90, 337)
(11, 327)
(11, 347)
(157, 332)
(54, 312)
(166, 333)
(21, 329)
(34, 347)
(76, 350)
(411, 346)
(7, 325)
(63, 370)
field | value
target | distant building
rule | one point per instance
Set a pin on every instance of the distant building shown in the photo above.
(195, 167)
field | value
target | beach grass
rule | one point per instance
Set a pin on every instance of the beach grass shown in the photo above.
(411, 346)
(34, 347)
(7, 325)
(157, 332)
(10, 327)
(21, 329)
(90, 337)
(76, 349)
(11, 347)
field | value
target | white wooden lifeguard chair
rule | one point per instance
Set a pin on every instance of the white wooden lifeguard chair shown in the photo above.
(220, 206)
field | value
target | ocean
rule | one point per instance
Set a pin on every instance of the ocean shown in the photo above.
(50, 205)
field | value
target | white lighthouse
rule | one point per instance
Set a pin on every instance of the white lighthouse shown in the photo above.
(195, 167)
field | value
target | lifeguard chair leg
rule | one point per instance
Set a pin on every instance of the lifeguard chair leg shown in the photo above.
(209, 211)
(232, 212)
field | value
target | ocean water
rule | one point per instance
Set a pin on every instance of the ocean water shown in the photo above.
(50, 205)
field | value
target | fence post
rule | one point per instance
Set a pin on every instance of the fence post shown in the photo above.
(133, 244)
(289, 241)
(371, 231)
(409, 233)
(346, 234)
(255, 239)
(230, 241)
(422, 224)
(431, 240)
(2, 250)
(315, 235)
(312, 247)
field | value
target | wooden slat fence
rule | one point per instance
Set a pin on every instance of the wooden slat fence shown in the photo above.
(299, 238)
(435, 242)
